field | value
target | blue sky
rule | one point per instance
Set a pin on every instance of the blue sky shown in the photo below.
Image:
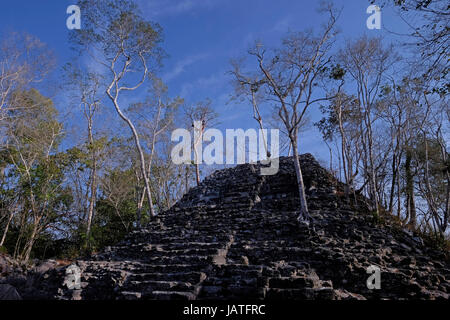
(201, 36)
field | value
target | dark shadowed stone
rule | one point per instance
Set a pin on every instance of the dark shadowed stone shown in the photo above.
(8, 292)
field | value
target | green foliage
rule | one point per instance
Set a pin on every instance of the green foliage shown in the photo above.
(111, 224)
(35, 172)
(436, 241)
(376, 217)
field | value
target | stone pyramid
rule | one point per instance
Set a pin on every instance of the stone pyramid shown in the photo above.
(236, 236)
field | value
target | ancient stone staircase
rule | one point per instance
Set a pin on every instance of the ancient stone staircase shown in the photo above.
(236, 236)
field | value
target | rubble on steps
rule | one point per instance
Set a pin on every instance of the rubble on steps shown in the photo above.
(15, 274)
(8, 266)
(236, 236)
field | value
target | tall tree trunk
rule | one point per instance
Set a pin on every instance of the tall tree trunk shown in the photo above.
(29, 246)
(344, 152)
(6, 228)
(91, 205)
(20, 236)
(373, 177)
(258, 118)
(304, 215)
(410, 201)
(445, 160)
(447, 205)
(331, 159)
(399, 195)
(141, 155)
(93, 185)
(198, 139)
(144, 173)
(186, 179)
(140, 204)
(394, 177)
(197, 173)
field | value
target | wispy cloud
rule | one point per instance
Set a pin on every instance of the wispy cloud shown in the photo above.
(181, 66)
(156, 8)
(210, 84)
(282, 25)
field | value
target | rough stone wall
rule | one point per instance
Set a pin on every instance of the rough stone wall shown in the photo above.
(236, 236)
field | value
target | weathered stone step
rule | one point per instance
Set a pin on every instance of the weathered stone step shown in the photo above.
(185, 259)
(242, 269)
(149, 286)
(192, 277)
(190, 245)
(129, 295)
(233, 292)
(212, 238)
(172, 268)
(301, 294)
(267, 254)
(204, 208)
(292, 282)
(170, 295)
(154, 251)
(237, 280)
(164, 257)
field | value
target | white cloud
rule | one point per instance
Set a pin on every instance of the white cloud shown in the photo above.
(282, 25)
(181, 66)
(174, 7)
(210, 84)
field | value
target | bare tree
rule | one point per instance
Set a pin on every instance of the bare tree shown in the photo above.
(155, 117)
(124, 43)
(367, 63)
(86, 90)
(24, 60)
(289, 77)
(200, 116)
(432, 37)
(432, 158)
(248, 85)
(341, 124)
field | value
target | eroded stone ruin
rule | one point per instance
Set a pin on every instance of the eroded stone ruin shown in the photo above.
(236, 236)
